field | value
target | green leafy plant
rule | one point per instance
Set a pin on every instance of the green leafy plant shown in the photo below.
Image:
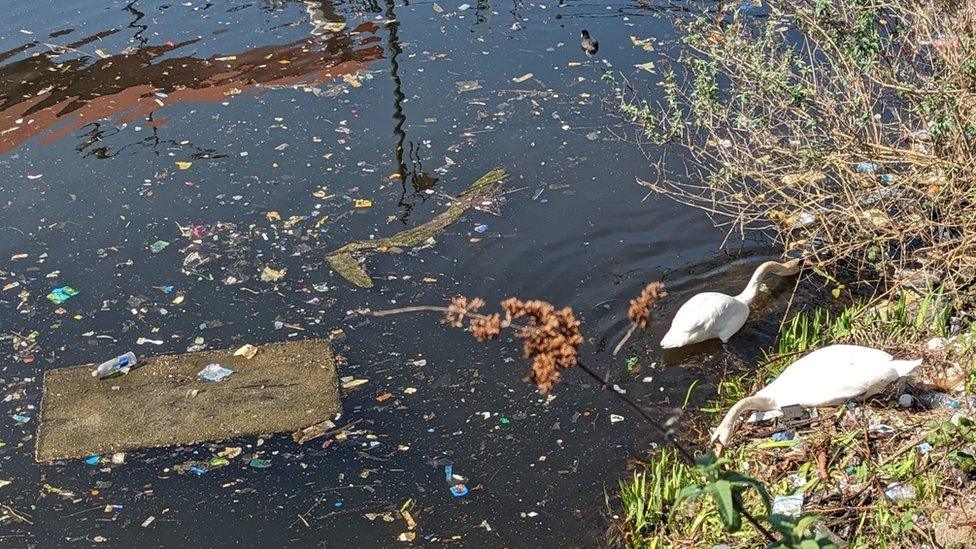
(798, 533)
(725, 488)
(947, 433)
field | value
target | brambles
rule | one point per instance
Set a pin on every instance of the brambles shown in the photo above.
(551, 338)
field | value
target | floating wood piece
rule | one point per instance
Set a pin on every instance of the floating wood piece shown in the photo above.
(323, 429)
(346, 264)
(163, 402)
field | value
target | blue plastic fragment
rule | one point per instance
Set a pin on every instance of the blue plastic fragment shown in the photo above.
(480, 229)
(168, 289)
(61, 294)
(459, 490)
(92, 460)
(449, 472)
(782, 435)
(866, 167)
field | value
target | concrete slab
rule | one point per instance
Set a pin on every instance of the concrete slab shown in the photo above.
(285, 387)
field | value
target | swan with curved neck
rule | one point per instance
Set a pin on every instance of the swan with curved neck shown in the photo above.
(826, 377)
(710, 315)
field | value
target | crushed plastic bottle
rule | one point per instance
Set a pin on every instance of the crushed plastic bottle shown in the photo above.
(939, 401)
(118, 366)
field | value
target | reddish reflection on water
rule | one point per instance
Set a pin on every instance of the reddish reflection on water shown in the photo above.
(40, 95)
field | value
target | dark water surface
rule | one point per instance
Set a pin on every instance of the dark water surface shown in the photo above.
(301, 108)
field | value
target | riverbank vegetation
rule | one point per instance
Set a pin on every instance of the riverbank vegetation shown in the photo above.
(845, 131)
(877, 474)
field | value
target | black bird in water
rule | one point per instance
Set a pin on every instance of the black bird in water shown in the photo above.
(589, 45)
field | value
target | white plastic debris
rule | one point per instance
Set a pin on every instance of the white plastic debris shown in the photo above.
(899, 492)
(215, 372)
(788, 505)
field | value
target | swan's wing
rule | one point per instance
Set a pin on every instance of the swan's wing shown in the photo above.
(832, 375)
(702, 312)
(848, 354)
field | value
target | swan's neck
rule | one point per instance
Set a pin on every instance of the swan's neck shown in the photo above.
(749, 404)
(752, 288)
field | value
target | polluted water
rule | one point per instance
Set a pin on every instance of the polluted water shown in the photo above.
(176, 176)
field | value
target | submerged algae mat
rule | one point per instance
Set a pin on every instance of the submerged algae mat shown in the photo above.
(285, 387)
(349, 268)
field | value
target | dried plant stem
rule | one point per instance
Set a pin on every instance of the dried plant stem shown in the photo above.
(13, 512)
(637, 408)
(626, 338)
(755, 523)
(417, 309)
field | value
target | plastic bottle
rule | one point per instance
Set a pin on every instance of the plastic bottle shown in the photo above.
(940, 401)
(118, 366)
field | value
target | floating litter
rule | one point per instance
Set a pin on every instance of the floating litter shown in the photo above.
(459, 490)
(61, 294)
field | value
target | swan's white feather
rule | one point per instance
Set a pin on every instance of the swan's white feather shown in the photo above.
(831, 376)
(705, 316)
(826, 377)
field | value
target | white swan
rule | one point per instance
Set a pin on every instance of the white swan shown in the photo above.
(826, 377)
(710, 314)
